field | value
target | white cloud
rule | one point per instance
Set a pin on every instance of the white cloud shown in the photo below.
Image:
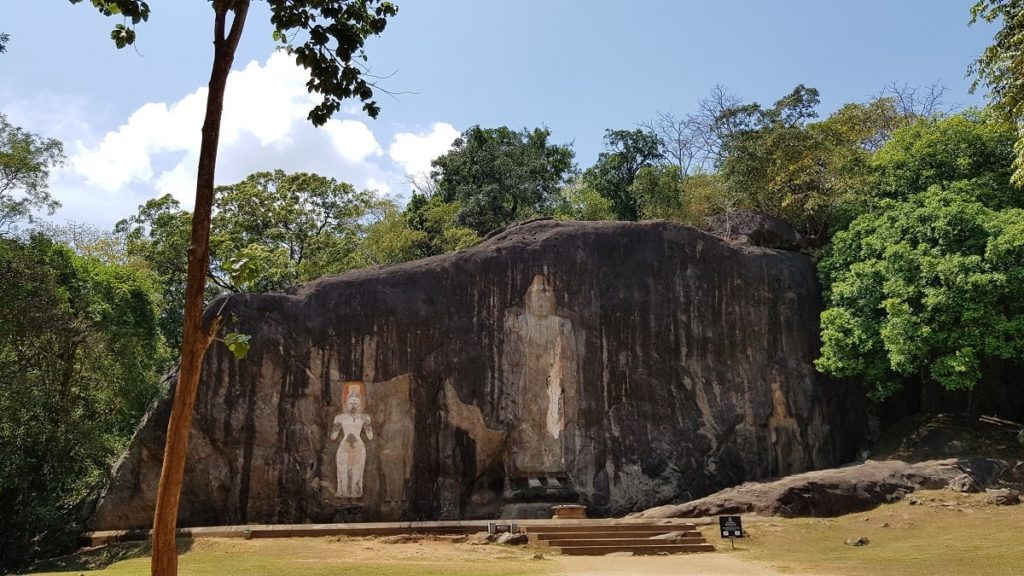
(124, 156)
(155, 150)
(353, 139)
(266, 101)
(382, 187)
(64, 116)
(179, 181)
(264, 127)
(414, 151)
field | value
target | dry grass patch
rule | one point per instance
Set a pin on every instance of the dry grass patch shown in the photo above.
(312, 557)
(947, 533)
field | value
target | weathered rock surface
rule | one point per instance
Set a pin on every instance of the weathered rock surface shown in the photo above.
(1003, 496)
(625, 364)
(838, 491)
(755, 229)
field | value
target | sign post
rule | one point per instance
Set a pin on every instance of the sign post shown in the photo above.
(731, 527)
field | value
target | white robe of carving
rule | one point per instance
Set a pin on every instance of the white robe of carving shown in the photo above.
(351, 457)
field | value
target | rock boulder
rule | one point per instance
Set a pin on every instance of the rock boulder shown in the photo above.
(623, 365)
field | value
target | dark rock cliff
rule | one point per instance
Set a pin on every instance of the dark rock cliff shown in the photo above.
(628, 364)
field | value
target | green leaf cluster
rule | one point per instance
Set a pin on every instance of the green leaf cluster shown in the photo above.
(498, 176)
(578, 201)
(928, 282)
(25, 163)
(974, 146)
(80, 349)
(626, 153)
(133, 11)
(426, 227)
(333, 35)
(929, 285)
(781, 163)
(279, 229)
(999, 67)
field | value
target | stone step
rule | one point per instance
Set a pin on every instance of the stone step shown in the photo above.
(548, 536)
(639, 549)
(646, 528)
(622, 542)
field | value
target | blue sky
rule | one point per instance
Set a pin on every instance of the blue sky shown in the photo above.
(130, 118)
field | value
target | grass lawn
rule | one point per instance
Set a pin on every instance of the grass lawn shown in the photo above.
(947, 534)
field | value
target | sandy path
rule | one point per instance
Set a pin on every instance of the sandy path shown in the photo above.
(716, 564)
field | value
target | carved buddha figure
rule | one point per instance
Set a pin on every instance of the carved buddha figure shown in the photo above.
(541, 361)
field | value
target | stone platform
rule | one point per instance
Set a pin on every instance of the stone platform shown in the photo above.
(598, 540)
(534, 528)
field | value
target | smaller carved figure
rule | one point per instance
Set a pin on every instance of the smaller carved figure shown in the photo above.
(350, 425)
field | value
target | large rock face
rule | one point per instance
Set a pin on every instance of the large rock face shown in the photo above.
(629, 364)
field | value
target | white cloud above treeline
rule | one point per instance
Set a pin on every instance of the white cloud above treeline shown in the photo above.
(155, 150)
(413, 152)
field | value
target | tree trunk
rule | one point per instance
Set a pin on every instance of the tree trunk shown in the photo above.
(195, 336)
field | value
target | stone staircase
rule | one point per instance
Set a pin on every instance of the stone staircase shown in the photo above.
(601, 539)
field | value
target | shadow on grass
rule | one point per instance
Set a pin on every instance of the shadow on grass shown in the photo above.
(101, 557)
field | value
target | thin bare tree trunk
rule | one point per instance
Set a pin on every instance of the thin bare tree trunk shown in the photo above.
(195, 336)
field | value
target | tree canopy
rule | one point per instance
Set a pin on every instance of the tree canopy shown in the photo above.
(973, 145)
(281, 229)
(626, 153)
(79, 356)
(782, 164)
(25, 163)
(499, 175)
(999, 66)
(926, 283)
(931, 285)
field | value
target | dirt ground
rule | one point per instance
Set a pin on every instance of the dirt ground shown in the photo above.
(681, 564)
(373, 556)
(929, 533)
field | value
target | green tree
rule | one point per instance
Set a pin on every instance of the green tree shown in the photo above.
(292, 227)
(783, 164)
(390, 240)
(79, 354)
(578, 201)
(659, 191)
(158, 234)
(974, 145)
(928, 287)
(705, 195)
(437, 221)
(327, 38)
(270, 231)
(626, 152)
(499, 176)
(999, 67)
(92, 242)
(25, 163)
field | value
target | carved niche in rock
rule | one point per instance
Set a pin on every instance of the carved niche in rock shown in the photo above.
(541, 365)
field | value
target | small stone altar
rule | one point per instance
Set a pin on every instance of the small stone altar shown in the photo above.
(614, 365)
(569, 512)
